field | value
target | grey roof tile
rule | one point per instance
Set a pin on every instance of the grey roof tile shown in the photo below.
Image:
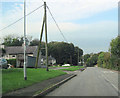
(20, 49)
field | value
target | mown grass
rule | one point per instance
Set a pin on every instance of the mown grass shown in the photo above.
(73, 68)
(0, 82)
(13, 79)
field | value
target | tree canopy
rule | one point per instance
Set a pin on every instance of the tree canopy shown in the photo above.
(63, 52)
(92, 60)
(115, 47)
(86, 56)
(111, 59)
(13, 41)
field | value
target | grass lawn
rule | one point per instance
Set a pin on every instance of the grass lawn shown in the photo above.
(73, 68)
(0, 82)
(12, 79)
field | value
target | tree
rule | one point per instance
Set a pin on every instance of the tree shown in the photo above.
(86, 56)
(115, 47)
(60, 51)
(106, 60)
(13, 41)
(100, 59)
(75, 56)
(115, 53)
(64, 52)
(34, 42)
(91, 61)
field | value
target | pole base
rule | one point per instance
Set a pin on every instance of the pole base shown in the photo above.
(47, 69)
(25, 78)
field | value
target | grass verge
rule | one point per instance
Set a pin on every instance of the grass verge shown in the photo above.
(73, 68)
(12, 79)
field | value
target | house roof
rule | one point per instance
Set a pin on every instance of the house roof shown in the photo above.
(51, 58)
(43, 57)
(20, 49)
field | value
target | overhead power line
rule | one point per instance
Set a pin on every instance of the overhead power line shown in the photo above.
(57, 24)
(20, 18)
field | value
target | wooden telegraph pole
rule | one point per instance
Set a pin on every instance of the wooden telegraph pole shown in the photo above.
(46, 43)
(39, 46)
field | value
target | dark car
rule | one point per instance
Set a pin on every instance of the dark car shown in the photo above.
(82, 69)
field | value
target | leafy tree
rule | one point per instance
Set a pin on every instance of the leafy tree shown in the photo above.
(34, 42)
(7, 40)
(92, 60)
(75, 56)
(115, 53)
(86, 56)
(106, 60)
(111, 59)
(13, 41)
(64, 52)
(115, 47)
(100, 59)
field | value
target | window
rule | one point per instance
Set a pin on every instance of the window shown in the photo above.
(13, 55)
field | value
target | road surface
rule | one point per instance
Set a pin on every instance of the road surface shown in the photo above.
(91, 82)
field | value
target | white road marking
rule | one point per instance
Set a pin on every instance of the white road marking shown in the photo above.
(116, 88)
(108, 72)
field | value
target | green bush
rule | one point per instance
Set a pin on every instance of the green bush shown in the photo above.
(109, 60)
(12, 62)
(92, 61)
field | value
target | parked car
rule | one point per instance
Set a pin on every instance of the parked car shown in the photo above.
(3, 63)
(82, 69)
(66, 65)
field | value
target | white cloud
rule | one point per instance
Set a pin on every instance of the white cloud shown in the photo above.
(64, 11)
(97, 29)
(77, 9)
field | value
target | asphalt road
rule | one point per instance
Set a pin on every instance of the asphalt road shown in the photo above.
(91, 82)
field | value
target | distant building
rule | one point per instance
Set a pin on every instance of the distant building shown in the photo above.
(31, 60)
(51, 60)
(17, 52)
(2, 51)
(2, 46)
(42, 60)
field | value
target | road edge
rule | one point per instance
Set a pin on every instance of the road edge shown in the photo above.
(51, 88)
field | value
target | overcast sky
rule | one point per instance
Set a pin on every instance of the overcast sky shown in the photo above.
(89, 24)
